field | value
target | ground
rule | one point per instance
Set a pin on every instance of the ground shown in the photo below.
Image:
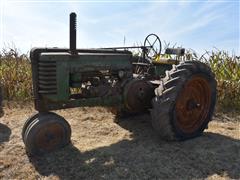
(129, 149)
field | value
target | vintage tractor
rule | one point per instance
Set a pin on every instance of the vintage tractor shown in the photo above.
(180, 95)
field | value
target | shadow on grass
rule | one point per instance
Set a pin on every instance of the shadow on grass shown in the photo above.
(146, 157)
(5, 133)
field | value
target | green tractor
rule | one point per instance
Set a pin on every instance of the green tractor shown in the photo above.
(180, 95)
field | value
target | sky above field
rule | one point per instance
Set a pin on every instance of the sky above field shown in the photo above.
(199, 25)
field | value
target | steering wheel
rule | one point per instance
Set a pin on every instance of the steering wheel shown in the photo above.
(153, 46)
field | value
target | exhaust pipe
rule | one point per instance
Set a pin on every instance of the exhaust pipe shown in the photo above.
(73, 32)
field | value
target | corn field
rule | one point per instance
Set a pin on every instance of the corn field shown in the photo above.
(227, 72)
(15, 76)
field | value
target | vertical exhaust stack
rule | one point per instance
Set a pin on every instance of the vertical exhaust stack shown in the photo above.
(73, 32)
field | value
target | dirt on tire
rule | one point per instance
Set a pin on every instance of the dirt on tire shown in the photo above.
(129, 149)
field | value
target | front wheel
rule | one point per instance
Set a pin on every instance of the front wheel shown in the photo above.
(45, 132)
(184, 102)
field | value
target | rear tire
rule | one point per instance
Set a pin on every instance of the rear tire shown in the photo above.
(184, 102)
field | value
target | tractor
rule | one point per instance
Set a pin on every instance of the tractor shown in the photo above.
(180, 95)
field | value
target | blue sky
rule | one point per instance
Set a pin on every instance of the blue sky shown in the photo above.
(200, 25)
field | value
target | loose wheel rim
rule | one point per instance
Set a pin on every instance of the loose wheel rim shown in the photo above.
(50, 137)
(193, 104)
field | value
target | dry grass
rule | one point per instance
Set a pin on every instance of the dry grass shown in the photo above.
(129, 149)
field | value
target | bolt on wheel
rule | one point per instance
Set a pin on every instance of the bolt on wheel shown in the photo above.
(193, 104)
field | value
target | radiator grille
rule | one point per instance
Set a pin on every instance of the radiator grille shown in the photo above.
(47, 80)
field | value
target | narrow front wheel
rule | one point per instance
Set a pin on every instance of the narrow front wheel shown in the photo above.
(46, 132)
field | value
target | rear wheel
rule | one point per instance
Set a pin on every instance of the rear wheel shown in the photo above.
(184, 101)
(45, 132)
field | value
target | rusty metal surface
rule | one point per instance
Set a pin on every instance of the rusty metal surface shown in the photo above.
(138, 95)
(45, 132)
(193, 103)
(50, 137)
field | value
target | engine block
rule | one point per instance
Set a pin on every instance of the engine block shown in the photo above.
(96, 75)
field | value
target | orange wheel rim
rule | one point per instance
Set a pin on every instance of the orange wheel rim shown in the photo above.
(193, 103)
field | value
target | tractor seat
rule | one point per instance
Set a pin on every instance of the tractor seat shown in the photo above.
(166, 59)
(163, 60)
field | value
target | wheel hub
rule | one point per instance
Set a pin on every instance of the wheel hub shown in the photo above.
(50, 137)
(193, 103)
(138, 96)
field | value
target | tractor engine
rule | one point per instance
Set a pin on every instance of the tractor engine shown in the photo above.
(87, 77)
